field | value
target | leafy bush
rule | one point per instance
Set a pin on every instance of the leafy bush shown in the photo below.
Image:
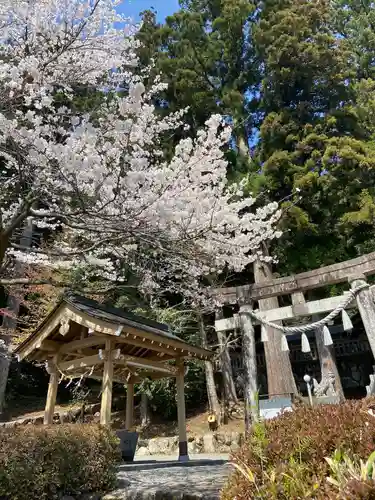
(285, 458)
(50, 461)
(352, 477)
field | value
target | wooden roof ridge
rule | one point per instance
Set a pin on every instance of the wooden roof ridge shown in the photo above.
(124, 317)
(111, 316)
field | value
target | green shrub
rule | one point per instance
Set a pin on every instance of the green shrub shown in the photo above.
(285, 458)
(49, 461)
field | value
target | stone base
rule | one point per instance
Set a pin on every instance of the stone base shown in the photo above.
(218, 442)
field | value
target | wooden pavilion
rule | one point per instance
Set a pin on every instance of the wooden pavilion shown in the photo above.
(81, 337)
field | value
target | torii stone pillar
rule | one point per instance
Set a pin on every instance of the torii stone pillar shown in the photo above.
(366, 308)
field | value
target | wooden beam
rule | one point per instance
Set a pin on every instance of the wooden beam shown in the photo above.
(99, 377)
(134, 341)
(289, 312)
(82, 343)
(44, 332)
(84, 362)
(49, 346)
(106, 403)
(145, 363)
(328, 275)
(108, 328)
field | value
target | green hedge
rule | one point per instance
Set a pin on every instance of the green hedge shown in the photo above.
(46, 462)
(285, 458)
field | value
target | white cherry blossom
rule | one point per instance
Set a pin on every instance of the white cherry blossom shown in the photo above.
(100, 179)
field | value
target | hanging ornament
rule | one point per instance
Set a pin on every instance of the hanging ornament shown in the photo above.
(305, 345)
(263, 334)
(346, 321)
(327, 338)
(284, 343)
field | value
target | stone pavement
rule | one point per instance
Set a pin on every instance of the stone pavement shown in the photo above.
(164, 478)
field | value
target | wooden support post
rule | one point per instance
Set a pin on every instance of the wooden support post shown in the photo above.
(129, 415)
(326, 353)
(52, 391)
(366, 308)
(250, 367)
(327, 359)
(106, 403)
(280, 376)
(180, 384)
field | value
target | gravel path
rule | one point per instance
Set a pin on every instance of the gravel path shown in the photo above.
(163, 479)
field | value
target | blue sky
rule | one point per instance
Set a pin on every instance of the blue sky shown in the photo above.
(163, 8)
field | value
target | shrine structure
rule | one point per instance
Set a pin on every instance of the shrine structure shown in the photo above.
(331, 338)
(81, 338)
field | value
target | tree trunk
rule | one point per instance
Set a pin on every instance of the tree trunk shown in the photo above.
(4, 370)
(145, 416)
(213, 400)
(230, 394)
(10, 321)
(3, 248)
(279, 369)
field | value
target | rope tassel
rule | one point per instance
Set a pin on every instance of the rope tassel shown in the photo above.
(305, 345)
(263, 334)
(284, 344)
(346, 321)
(327, 338)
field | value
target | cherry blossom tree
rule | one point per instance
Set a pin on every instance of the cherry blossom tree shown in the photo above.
(100, 179)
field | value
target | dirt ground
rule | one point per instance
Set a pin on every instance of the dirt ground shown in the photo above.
(197, 423)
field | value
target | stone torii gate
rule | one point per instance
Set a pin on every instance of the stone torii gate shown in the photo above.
(353, 272)
(82, 338)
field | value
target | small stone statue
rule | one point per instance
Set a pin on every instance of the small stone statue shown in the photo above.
(326, 387)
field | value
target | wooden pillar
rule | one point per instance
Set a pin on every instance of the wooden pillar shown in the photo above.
(280, 376)
(326, 353)
(250, 367)
(327, 359)
(129, 415)
(366, 308)
(52, 391)
(106, 403)
(182, 435)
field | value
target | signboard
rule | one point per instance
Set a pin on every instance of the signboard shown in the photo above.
(271, 408)
(128, 444)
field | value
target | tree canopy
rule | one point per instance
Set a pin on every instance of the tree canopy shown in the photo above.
(296, 80)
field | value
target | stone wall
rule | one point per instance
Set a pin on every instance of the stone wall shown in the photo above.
(216, 442)
(87, 413)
